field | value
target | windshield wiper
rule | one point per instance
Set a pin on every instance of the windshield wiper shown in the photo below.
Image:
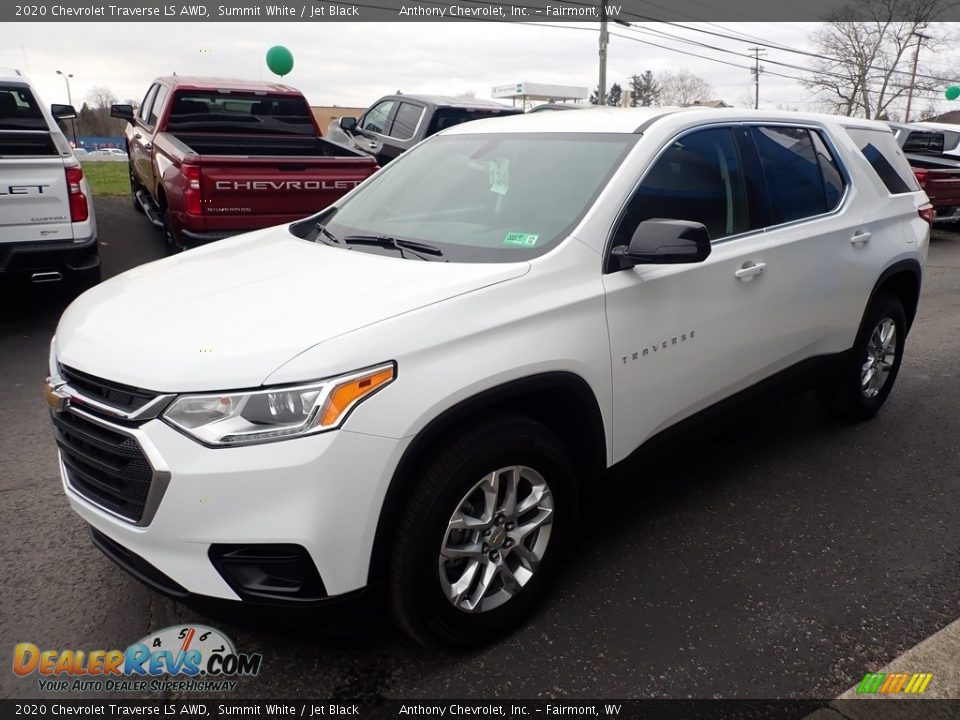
(331, 238)
(417, 249)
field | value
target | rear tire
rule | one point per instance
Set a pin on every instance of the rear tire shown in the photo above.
(171, 236)
(504, 558)
(867, 377)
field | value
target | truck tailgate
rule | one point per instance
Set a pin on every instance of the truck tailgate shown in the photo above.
(941, 186)
(33, 200)
(252, 186)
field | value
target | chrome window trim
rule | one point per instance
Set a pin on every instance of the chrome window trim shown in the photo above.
(820, 129)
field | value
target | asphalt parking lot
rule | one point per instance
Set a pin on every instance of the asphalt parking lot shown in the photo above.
(785, 558)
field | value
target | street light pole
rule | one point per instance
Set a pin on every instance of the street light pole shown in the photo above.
(604, 38)
(913, 74)
(73, 122)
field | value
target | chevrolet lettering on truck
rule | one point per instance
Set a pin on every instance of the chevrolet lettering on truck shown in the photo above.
(210, 158)
(286, 185)
(407, 394)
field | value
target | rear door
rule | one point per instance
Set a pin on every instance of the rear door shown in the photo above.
(33, 184)
(819, 244)
(141, 146)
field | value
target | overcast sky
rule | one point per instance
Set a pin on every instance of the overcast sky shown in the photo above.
(354, 63)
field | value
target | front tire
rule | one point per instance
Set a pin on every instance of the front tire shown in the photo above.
(867, 378)
(483, 532)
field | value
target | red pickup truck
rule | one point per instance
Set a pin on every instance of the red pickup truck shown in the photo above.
(211, 158)
(937, 173)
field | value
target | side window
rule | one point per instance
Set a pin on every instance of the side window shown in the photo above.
(885, 157)
(832, 177)
(157, 106)
(376, 119)
(697, 178)
(795, 185)
(406, 121)
(147, 103)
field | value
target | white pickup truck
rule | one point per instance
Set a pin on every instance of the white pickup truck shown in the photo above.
(408, 391)
(48, 231)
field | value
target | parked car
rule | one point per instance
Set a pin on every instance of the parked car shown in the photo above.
(411, 389)
(48, 231)
(937, 172)
(210, 158)
(80, 152)
(395, 123)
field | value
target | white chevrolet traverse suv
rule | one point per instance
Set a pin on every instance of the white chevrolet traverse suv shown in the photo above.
(410, 389)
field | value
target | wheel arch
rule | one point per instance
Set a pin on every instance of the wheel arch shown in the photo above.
(903, 281)
(563, 401)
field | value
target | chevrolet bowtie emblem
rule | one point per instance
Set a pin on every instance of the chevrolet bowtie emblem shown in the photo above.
(56, 399)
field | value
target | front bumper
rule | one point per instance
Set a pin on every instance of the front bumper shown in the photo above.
(321, 493)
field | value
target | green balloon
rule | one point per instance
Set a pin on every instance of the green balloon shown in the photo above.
(953, 92)
(280, 60)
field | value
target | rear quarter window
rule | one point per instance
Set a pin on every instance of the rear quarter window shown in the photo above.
(881, 150)
(19, 110)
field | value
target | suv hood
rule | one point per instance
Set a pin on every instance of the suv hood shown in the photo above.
(226, 315)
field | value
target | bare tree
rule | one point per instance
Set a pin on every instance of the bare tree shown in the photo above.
(682, 87)
(101, 97)
(867, 51)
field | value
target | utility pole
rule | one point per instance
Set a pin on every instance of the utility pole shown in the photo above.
(913, 73)
(73, 122)
(757, 69)
(604, 39)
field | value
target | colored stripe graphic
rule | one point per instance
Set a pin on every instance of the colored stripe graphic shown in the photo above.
(892, 683)
(871, 682)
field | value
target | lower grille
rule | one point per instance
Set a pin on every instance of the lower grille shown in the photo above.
(103, 465)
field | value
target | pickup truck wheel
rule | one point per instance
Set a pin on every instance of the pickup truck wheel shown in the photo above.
(483, 532)
(866, 380)
(170, 235)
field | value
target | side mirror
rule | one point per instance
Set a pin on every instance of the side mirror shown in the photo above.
(348, 124)
(63, 112)
(663, 242)
(123, 112)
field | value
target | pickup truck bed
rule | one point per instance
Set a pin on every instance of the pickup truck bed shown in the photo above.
(211, 158)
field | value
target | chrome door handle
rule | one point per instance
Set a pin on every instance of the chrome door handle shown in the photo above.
(859, 239)
(148, 145)
(749, 270)
(137, 136)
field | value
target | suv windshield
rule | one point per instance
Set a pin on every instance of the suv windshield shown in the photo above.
(485, 198)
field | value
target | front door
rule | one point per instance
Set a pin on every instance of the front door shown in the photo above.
(685, 336)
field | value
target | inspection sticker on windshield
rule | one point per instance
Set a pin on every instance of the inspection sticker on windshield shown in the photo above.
(499, 175)
(520, 239)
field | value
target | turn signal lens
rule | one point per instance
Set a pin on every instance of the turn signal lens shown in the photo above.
(347, 394)
(926, 212)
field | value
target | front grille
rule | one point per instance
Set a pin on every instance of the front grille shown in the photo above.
(103, 465)
(122, 397)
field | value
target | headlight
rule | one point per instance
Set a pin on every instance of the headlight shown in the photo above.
(244, 418)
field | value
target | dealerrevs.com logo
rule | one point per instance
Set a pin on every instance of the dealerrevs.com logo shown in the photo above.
(175, 659)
